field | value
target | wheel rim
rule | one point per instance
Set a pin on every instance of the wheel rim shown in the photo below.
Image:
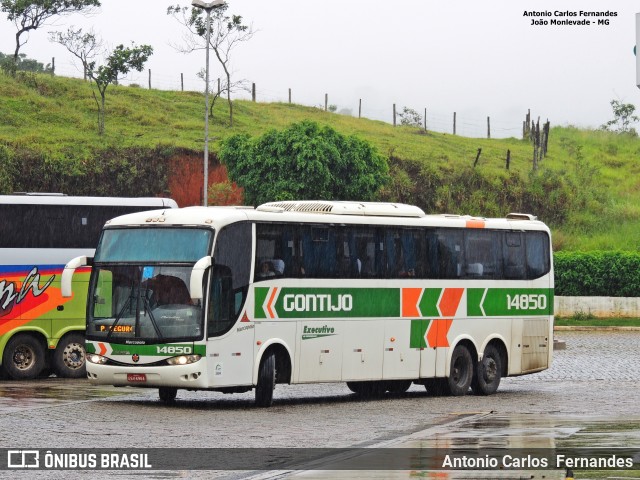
(490, 369)
(73, 356)
(23, 357)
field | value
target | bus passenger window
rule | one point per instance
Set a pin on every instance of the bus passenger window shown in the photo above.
(513, 258)
(537, 254)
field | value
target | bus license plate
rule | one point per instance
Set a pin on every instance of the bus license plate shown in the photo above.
(136, 377)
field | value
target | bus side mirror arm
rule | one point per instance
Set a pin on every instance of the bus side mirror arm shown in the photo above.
(67, 273)
(197, 275)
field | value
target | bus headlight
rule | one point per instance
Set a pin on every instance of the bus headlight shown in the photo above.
(183, 359)
(98, 359)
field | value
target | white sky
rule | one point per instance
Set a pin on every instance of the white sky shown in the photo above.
(477, 58)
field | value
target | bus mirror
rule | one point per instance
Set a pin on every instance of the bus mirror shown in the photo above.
(197, 275)
(67, 274)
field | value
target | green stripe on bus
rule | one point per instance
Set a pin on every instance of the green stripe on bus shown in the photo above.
(330, 302)
(418, 332)
(429, 302)
(498, 302)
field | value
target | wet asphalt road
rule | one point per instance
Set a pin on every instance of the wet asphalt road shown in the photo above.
(589, 395)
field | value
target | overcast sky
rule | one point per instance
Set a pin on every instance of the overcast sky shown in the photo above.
(477, 58)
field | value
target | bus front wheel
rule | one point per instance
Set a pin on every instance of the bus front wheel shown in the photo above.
(167, 394)
(69, 357)
(461, 372)
(23, 357)
(266, 381)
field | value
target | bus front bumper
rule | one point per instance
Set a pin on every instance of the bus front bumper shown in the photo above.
(176, 376)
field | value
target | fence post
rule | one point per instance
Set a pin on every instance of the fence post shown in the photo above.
(477, 158)
(425, 119)
(182, 82)
(360, 108)
(218, 86)
(488, 128)
(326, 101)
(53, 66)
(149, 79)
(394, 114)
(253, 92)
(508, 158)
(289, 95)
(454, 123)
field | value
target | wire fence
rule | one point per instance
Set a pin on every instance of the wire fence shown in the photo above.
(437, 121)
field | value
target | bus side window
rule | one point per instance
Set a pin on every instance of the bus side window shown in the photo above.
(230, 276)
(537, 254)
(450, 253)
(513, 256)
(221, 301)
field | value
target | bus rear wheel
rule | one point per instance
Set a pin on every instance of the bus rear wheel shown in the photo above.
(461, 372)
(488, 372)
(23, 357)
(69, 358)
(266, 380)
(167, 394)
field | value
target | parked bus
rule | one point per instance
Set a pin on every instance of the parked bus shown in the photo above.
(376, 295)
(39, 233)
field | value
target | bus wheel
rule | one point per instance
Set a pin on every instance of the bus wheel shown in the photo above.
(23, 357)
(398, 387)
(266, 381)
(367, 389)
(69, 358)
(436, 386)
(488, 372)
(461, 372)
(167, 394)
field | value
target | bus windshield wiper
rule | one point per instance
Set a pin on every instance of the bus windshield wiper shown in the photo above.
(152, 317)
(119, 316)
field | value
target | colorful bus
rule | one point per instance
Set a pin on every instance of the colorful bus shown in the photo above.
(39, 329)
(376, 295)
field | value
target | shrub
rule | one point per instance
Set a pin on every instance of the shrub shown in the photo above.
(606, 274)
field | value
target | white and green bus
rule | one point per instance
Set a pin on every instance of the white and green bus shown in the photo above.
(377, 295)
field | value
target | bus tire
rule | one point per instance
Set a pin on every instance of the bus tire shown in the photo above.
(69, 358)
(367, 389)
(23, 357)
(266, 380)
(461, 372)
(167, 394)
(436, 387)
(488, 372)
(398, 387)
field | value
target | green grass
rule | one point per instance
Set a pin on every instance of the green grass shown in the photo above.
(598, 173)
(597, 322)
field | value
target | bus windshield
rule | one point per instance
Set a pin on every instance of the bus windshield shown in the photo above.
(143, 303)
(139, 284)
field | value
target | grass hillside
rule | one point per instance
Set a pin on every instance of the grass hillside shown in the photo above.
(587, 188)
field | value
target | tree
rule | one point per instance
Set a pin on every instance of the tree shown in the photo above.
(32, 14)
(226, 32)
(304, 161)
(84, 46)
(118, 63)
(623, 116)
(24, 64)
(410, 117)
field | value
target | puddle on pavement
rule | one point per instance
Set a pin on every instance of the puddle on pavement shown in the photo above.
(17, 395)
